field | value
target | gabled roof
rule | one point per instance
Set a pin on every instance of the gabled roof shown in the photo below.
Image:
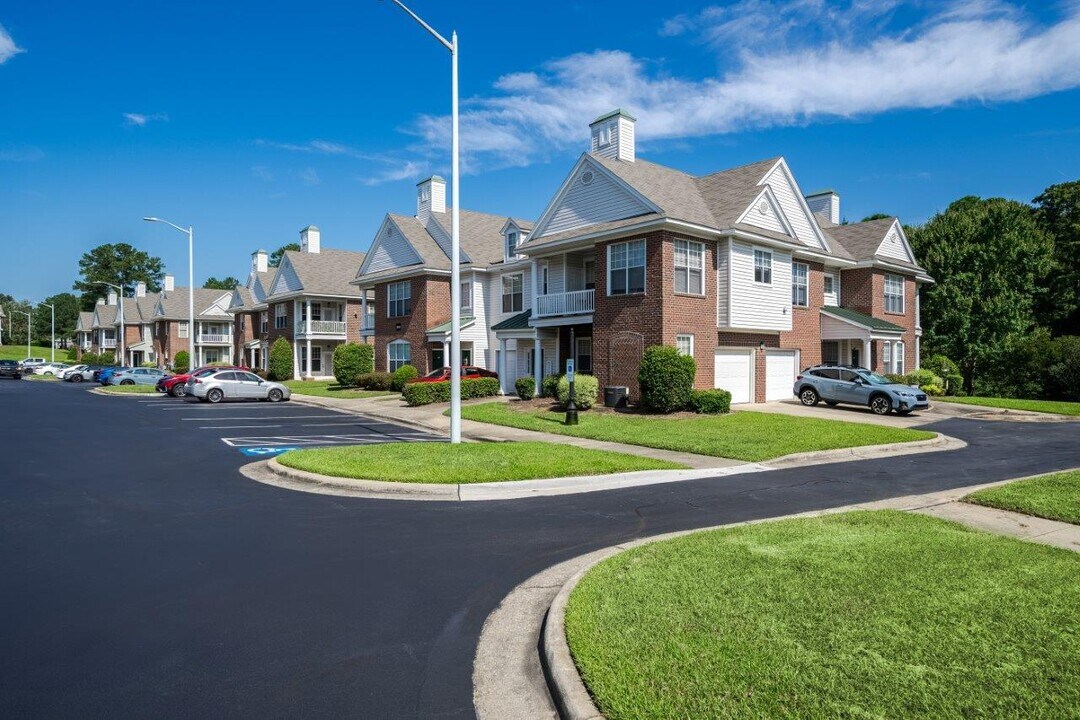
(327, 272)
(105, 315)
(867, 321)
(443, 328)
(862, 241)
(174, 305)
(242, 299)
(85, 321)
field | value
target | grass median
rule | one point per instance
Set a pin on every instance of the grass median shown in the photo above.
(749, 436)
(443, 464)
(322, 388)
(129, 389)
(1054, 497)
(862, 614)
(1041, 406)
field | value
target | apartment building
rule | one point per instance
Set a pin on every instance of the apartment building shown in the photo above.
(213, 331)
(251, 322)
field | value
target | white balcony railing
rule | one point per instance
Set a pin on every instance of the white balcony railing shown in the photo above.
(578, 302)
(108, 343)
(321, 327)
(368, 324)
(214, 338)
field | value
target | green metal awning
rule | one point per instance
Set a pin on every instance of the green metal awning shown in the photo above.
(444, 328)
(517, 322)
(858, 318)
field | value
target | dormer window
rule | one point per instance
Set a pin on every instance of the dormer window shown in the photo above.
(511, 244)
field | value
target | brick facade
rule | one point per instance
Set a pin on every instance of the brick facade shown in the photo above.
(864, 290)
(430, 303)
(805, 333)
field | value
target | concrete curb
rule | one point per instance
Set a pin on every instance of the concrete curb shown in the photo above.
(866, 452)
(141, 396)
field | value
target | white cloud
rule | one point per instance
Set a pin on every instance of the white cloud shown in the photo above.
(8, 48)
(390, 167)
(141, 119)
(407, 170)
(824, 64)
(309, 176)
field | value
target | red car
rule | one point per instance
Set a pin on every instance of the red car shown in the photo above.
(175, 385)
(468, 372)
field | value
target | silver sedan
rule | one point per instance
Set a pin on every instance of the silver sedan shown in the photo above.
(235, 385)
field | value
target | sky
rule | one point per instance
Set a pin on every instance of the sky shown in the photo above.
(251, 120)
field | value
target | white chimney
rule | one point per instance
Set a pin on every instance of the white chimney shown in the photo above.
(168, 284)
(309, 240)
(101, 301)
(259, 261)
(612, 135)
(430, 197)
(140, 289)
(112, 297)
(827, 203)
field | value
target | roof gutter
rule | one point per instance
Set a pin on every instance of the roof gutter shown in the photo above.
(365, 283)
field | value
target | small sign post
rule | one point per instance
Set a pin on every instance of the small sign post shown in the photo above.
(571, 408)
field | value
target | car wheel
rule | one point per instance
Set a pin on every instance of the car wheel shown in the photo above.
(18, 377)
(215, 396)
(880, 404)
(274, 395)
(177, 390)
(127, 382)
(831, 403)
(808, 397)
(47, 373)
(76, 378)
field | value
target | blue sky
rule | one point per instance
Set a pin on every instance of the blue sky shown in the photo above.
(251, 120)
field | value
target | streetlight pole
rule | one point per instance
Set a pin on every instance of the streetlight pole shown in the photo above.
(28, 326)
(52, 329)
(120, 344)
(190, 231)
(455, 230)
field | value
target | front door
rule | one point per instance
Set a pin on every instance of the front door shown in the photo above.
(437, 360)
(855, 352)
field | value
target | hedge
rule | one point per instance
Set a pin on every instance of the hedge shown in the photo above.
(550, 386)
(181, 362)
(403, 375)
(280, 364)
(526, 387)
(349, 363)
(425, 393)
(710, 402)
(666, 378)
(375, 381)
(586, 388)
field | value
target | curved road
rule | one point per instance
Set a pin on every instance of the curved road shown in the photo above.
(144, 577)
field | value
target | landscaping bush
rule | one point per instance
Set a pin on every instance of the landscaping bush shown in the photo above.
(922, 377)
(550, 386)
(526, 387)
(348, 364)
(666, 378)
(710, 402)
(262, 373)
(586, 388)
(72, 354)
(149, 364)
(427, 393)
(375, 381)
(932, 389)
(947, 370)
(182, 362)
(403, 375)
(367, 358)
(280, 364)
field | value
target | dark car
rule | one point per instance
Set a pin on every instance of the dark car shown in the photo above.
(468, 372)
(11, 369)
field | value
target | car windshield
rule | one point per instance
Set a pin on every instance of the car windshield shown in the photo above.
(874, 379)
(435, 374)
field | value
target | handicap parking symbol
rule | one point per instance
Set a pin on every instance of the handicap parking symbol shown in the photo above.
(264, 451)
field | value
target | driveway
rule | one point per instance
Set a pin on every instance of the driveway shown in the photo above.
(937, 412)
(145, 577)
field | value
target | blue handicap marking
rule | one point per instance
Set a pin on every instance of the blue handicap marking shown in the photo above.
(264, 451)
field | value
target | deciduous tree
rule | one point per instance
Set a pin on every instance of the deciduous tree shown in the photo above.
(1057, 211)
(275, 257)
(226, 284)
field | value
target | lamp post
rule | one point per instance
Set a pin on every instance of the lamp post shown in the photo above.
(455, 235)
(28, 326)
(52, 330)
(120, 336)
(191, 284)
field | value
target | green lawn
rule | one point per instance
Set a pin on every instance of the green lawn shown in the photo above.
(749, 436)
(466, 463)
(40, 378)
(1055, 497)
(858, 615)
(329, 388)
(1043, 406)
(18, 352)
(129, 389)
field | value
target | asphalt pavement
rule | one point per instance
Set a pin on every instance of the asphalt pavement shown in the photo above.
(143, 576)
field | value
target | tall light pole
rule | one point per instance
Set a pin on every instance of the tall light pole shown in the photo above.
(28, 326)
(52, 329)
(191, 285)
(455, 230)
(120, 344)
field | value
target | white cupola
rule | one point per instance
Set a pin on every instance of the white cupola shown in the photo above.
(140, 289)
(430, 197)
(309, 240)
(259, 261)
(612, 135)
(169, 283)
(112, 297)
(825, 202)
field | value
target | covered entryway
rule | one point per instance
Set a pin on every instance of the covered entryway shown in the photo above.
(848, 336)
(780, 368)
(734, 372)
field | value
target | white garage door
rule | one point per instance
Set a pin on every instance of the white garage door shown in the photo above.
(734, 372)
(779, 374)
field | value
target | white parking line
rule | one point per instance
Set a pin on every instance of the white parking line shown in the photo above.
(232, 427)
(281, 440)
(271, 417)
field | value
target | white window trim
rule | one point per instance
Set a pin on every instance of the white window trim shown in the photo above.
(466, 295)
(899, 367)
(644, 266)
(512, 233)
(690, 244)
(503, 294)
(390, 299)
(688, 336)
(182, 329)
(390, 355)
(769, 255)
(903, 300)
(805, 284)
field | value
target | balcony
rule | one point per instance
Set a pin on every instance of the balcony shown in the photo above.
(578, 302)
(368, 324)
(108, 343)
(215, 339)
(333, 328)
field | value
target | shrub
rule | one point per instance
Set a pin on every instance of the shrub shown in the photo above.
(262, 373)
(348, 364)
(586, 388)
(149, 364)
(425, 393)
(922, 377)
(666, 378)
(947, 370)
(550, 386)
(710, 402)
(893, 377)
(526, 387)
(107, 358)
(367, 358)
(1063, 371)
(72, 353)
(932, 389)
(403, 375)
(182, 362)
(280, 363)
(375, 381)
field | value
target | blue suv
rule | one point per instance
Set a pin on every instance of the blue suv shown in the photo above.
(857, 386)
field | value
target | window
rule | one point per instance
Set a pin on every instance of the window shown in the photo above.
(263, 321)
(511, 244)
(544, 278)
(398, 299)
(626, 268)
(763, 267)
(605, 136)
(799, 274)
(589, 268)
(886, 356)
(584, 355)
(848, 376)
(183, 330)
(894, 294)
(512, 293)
(689, 267)
(225, 376)
(316, 359)
(281, 316)
(466, 295)
(685, 344)
(829, 290)
(398, 354)
(898, 358)
(242, 320)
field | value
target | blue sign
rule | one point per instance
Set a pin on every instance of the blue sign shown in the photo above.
(569, 371)
(265, 451)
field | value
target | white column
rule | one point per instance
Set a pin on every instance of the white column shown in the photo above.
(445, 355)
(918, 352)
(538, 367)
(535, 304)
(307, 344)
(502, 366)
(865, 359)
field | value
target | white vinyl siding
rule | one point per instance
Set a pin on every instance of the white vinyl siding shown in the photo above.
(391, 250)
(723, 289)
(800, 284)
(754, 305)
(893, 246)
(286, 280)
(894, 294)
(602, 200)
(398, 353)
(513, 293)
(788, 196)
(689, 267)
(399, 299)
(832, 288)
(626, 268)
(763, 214)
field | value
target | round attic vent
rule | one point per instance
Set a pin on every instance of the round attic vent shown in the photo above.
(586, 177)
(763, 207)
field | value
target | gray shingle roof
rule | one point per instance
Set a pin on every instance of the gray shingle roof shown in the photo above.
(247, 300)
(175, 304)
(85, 321)
(106, 315)
(861, 240)
(327, 272)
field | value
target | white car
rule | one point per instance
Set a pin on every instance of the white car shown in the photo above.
(235, 385)
(66, 374)
(30, 363)
(51, 368)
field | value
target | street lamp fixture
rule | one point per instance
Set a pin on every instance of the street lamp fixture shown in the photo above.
(455, 229)
(191, 284)
(28, 326)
